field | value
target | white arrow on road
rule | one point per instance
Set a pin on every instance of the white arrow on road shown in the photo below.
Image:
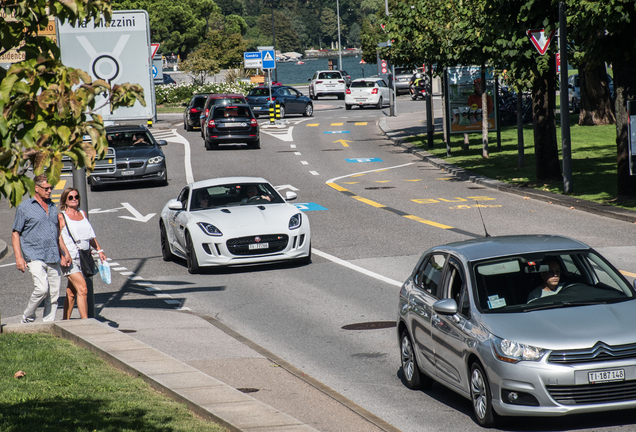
(283, 187)
(98, 210)
(136, 216)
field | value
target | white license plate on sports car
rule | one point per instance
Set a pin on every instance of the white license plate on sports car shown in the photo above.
(606, 376)
(259, 246)
(127, 173)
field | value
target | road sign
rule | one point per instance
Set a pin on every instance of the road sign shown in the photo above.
(119, 53)
(252, 60)
(269, 59)
(540, 40)
(153, 50)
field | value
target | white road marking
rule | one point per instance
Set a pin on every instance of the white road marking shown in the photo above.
(356, 268)
(304, 162)
(186, 159)
(314, 172)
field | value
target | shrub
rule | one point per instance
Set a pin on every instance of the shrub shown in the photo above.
(176, 94)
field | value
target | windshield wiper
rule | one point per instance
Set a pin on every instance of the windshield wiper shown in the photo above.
(565, 304)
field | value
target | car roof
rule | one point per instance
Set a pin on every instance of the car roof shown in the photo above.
(201, 95)
(368, 79)
(126, 128)
(229, 106)
(226, 180)
(224, 95)
(492, 247)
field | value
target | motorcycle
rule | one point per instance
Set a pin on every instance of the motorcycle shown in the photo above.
(418, 90)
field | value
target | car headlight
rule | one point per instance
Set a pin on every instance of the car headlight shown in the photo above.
(514, 352)
(209, 229)
(295, 221)
(155, 160)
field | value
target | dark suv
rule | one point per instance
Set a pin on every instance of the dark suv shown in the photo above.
(229, 124)
(192, 112)
(220, 99)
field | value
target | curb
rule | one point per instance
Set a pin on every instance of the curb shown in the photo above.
(204, 395)
(4, 249)
(549, 197)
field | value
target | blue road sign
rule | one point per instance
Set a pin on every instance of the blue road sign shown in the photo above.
(155, 71)
(269, 59)
(252, 60)
(309, 207)
(336, 132)
(363, 160)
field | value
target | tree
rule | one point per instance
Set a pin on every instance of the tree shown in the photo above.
(231, 7)
(48, 108)
(286, 37)
(178, 26)
(329, 25)
(353, 39)
(370, 36)
(199, 67)
(224, 47)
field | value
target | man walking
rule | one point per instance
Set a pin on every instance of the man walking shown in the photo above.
(36, 235)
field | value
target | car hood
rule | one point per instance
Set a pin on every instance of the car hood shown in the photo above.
(569, 327)
(140, 152)
(258, 216)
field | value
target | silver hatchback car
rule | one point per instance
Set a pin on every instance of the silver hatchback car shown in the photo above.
(527, 325)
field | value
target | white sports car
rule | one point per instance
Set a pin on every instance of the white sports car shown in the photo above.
(233, 221)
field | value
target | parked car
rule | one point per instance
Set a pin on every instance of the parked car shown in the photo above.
(192, 112)
(327, 83)
(233, 221)
(133, 156)
(220, 99)
(228, 124)
(291, 101)
(520, 325)
(346, 77)
(403, 76)
(367, 92)
(574, 91)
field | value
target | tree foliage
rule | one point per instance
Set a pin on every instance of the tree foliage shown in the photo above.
(48, 108)
(286, 37)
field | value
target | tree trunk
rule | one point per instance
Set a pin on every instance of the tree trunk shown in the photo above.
(596, 102)
(624, 90)
(546, 147)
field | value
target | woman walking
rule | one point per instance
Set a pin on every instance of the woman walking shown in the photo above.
(77, 233)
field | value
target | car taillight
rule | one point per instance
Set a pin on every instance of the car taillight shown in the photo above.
(374, 91)
(318, 82)
(207, 111)
(211, 123)
(341, 81)
(348, 91)
(194, 110)
(253, 122)
(273, 98)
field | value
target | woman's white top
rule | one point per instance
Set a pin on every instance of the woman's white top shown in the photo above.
(82, 231)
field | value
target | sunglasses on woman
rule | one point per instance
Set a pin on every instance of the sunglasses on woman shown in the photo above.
(73, 197)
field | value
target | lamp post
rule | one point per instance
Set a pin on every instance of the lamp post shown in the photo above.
(339, 45)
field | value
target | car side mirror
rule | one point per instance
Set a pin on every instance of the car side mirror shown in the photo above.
(162, 142)
(290, 195)
(175, 204)
(308, 79)
(445, 307)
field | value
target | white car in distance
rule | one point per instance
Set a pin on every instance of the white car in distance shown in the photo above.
(367, 92)
(327, 83)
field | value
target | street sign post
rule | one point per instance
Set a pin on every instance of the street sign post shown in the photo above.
(117, 54)
(540, 40)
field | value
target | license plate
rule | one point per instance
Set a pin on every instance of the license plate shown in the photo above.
(259, 246)
(331, 85)
(360, 100)
(234, 124)
(606, 376)
(127, 173)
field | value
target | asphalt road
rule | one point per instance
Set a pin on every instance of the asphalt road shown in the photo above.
(362, 253)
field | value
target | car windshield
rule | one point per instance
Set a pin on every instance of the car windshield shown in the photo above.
(129, 139)
(235, 194)
(544, 281)
(259, 92)
(356, 84)
(199, 102)
(329, 75)
(221, 112)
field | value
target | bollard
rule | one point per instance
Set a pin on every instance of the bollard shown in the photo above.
(277, 111)
(271, 114)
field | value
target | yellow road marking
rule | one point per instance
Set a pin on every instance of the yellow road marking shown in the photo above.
(351, 182)
(382, 181)
(428, 222)
(60, 185)
(368, 201)
(337, 187)
(626, 273)
(445, 178)
(415, 180)
(360, 124)
(337, 124)
(343, 142)
(313, 124)
(357, 175)
(381, 170)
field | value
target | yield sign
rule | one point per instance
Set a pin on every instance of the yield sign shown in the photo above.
(540, 40)
(153, 49)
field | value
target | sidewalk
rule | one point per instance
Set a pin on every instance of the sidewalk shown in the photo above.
(405, 125)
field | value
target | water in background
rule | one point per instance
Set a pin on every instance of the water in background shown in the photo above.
(290, 73)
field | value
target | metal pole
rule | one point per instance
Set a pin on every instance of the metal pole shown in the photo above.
(430, 114)
(566, 149)
(274, 43)
(392, 106)
(79, 183)
(339, 46)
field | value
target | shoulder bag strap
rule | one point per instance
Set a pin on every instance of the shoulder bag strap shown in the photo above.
(69, 229)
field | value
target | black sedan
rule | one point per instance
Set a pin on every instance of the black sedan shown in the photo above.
(291, 101)
(192, 112)
(229, 124)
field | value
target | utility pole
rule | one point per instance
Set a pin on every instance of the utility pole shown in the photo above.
(566, 148)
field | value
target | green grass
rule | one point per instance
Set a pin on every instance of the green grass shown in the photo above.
(593, 152)
(67, 388)
(170, 109)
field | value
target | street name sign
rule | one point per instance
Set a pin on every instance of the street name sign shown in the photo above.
(252, 60)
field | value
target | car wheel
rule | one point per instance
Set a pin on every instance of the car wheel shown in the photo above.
(207, 145)
(309, 110)
(306, 260)
(413, 378)
(282, 111)
(256, 145)
(481, 397)
(191, 256)
(340, 97)
(379, 105)
(92, 184)
(347, 107)
(166, 254)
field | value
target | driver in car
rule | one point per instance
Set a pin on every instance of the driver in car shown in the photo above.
(252, 194)
(551, 280)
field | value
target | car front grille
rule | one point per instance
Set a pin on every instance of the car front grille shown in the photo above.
(599, 352)
(133, 164)
(594, 393)
(240, 245)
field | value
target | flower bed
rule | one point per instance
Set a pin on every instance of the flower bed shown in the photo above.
(176, 94)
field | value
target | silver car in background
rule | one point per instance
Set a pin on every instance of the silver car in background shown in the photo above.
(464, 320)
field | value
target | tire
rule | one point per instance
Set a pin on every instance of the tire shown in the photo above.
(306, 260)
(481, 397)
(413, 378)
(282, 112)
(340, 97)
(166, 254)
(413, 96)
(92, 185)
(256, 145)
(207, 145)
(309, 110)
(347, 107)
(191, 256)
(185, 125)
(379, 105)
